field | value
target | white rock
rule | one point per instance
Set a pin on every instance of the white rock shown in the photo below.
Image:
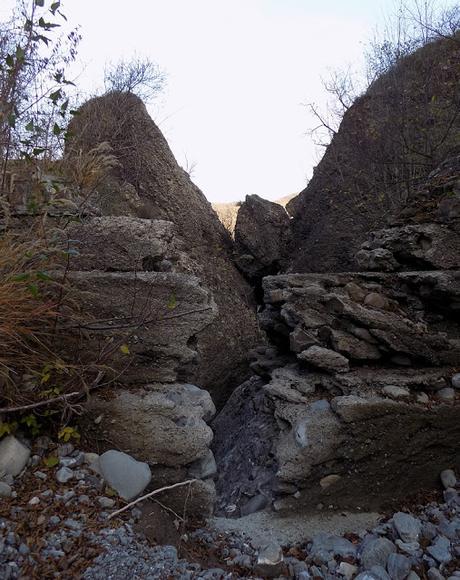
(347, 570)
(34, 501)
(124, 474)
(448, 478)
(14, 455)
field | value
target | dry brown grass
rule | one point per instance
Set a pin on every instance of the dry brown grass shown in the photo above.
(87, 169)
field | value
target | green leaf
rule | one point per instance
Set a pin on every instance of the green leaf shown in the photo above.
(30, 126)
(51, 461)
(54, 6)
(125, 349)
(57, 130)
(21, 277)
(12, 120)
(43, 276)
(38, 150)
(172, 302)
(40, 3)
(55, 96)
(10, 60)
(33, 289)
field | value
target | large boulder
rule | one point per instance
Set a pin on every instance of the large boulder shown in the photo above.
(261, 236)
(147, 182)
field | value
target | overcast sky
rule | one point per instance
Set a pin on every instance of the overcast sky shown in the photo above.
(238, 72)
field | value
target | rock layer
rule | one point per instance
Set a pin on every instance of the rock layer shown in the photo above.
(355, 413)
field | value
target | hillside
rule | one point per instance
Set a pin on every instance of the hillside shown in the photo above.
(389, 141)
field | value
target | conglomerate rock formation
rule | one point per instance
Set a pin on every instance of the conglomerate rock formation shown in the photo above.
(356, 402)
(389, 141)
(148, 183)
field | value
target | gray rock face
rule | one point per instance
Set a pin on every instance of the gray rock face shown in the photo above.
(261, 236)
(422, 246)
(148, 183)
(307, 423)
(124, 474)
(14, 456)
(158, 315)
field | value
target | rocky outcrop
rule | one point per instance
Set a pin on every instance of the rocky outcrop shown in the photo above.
(404, 128)
(148, 183)
(364, 386)
(261, 236)
(124, 272)
(164, 425)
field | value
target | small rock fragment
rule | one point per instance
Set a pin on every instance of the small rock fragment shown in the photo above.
(446, 395)
(329, 480)
(448, 478)
(269, 560)
(376, 552)
(64, 474)
(397, 393)
(398, 566)
(407, 526)
(14, 455)
(5, 490)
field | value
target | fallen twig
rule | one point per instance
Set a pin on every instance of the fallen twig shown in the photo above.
(152, 493)
(61, 398)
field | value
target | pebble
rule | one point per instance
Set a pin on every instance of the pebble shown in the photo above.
(5, 489)
(34, 501)
(440, 550)
(64, 474)
(435, 574)
(448, 478)
(269, 560)
(376, 552)
(65, 449)
(446, 395)
(329, 480)
(398, 566)
(407, 527)
(41, 475)
(347, 570)
(456, 381)
(106, 502)
(395, 392)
